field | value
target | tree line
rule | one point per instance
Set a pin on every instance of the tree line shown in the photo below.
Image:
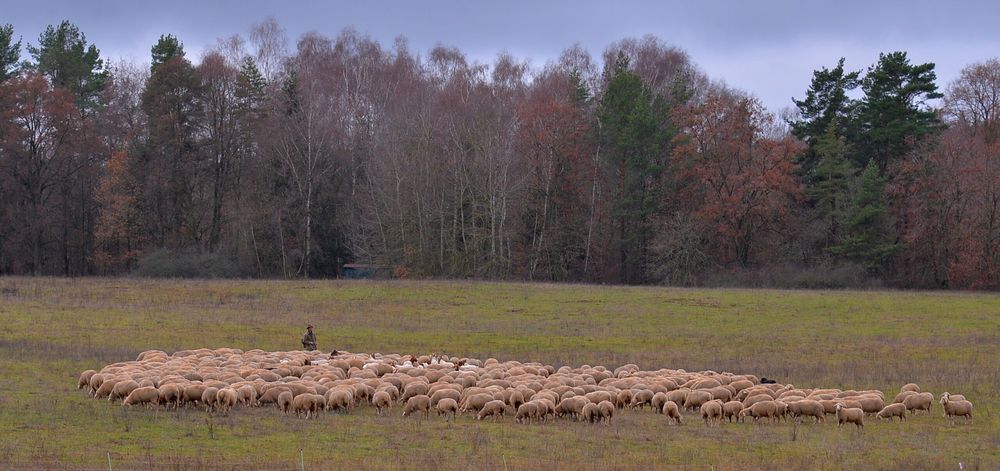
(634, 167)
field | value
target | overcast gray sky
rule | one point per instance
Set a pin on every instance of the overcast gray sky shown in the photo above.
(766, 47)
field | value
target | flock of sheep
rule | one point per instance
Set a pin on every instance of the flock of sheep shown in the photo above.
(308, 383)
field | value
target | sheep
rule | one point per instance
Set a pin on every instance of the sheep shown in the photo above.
(711, 411)
(696, 398)
(494, 409)
(447, 407)
(382, 401)
(731, 410)
(247, 395)
(170, 395)
(641, 398)
(919, 401)
(606, 410)
(807, 408)
(445, 393)
(852, 415)
(226, 399)
(953, 408)
(893, 410)
(902, 396)
(146, 395)
(475, 402)
(193, 393)
(526, 412)
(208, 398)
(873, 404)
(722, 393)
(953, 397)
(284, 401)
(420, 402)
(910, 387)
(271, 395)
(767, 409)
(122, 389)
(306, 403)
(672, 412)
(657, 401)
(339, 400)
(590, 413)
(414, 389)
(85, 378)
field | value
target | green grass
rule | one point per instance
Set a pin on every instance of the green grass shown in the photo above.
(52, 329)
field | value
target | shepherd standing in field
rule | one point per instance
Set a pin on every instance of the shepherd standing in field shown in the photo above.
(309, 339)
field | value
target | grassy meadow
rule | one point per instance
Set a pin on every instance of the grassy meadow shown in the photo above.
(52, 329)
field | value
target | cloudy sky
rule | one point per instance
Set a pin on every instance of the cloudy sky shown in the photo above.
(767, 47)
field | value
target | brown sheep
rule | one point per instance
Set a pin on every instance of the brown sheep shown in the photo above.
(306, 403)
(808, 408)
(598, 396)
(851, 415)
(751, 400)
(893, 410)
(658, 400)
(696, 398)
(607, 411)
(447, 407)
(122, 389)
(641, 398)
(526, 413)
(910, 387)
(420, 402)
(85, 378)
(672, 412)
(953, 397)
(226, 399)
(711, 412)
(953, 408)
(382, 401)
(475, 402)
(731, 410)
(494, 409)
(445, 393)
(873, 404)
(339, 399)
(415, 388)
(722, 393)
(902, 396)
(147, 396)
(515, 399)
(677, 396)
(208, 398)
(590, 413)
(762, 409)
(193, 392)
(247, 395)
(284, 401)
(919, 401)
(95, 383)
(171, 395)
(271, 395)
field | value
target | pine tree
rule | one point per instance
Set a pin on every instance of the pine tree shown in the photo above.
(166, 48)
(64, 57)
(894, 112)
(10, 53)
(868, 225)
(632, 127)
(580, 93)
(826, 103)
(829, 189)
